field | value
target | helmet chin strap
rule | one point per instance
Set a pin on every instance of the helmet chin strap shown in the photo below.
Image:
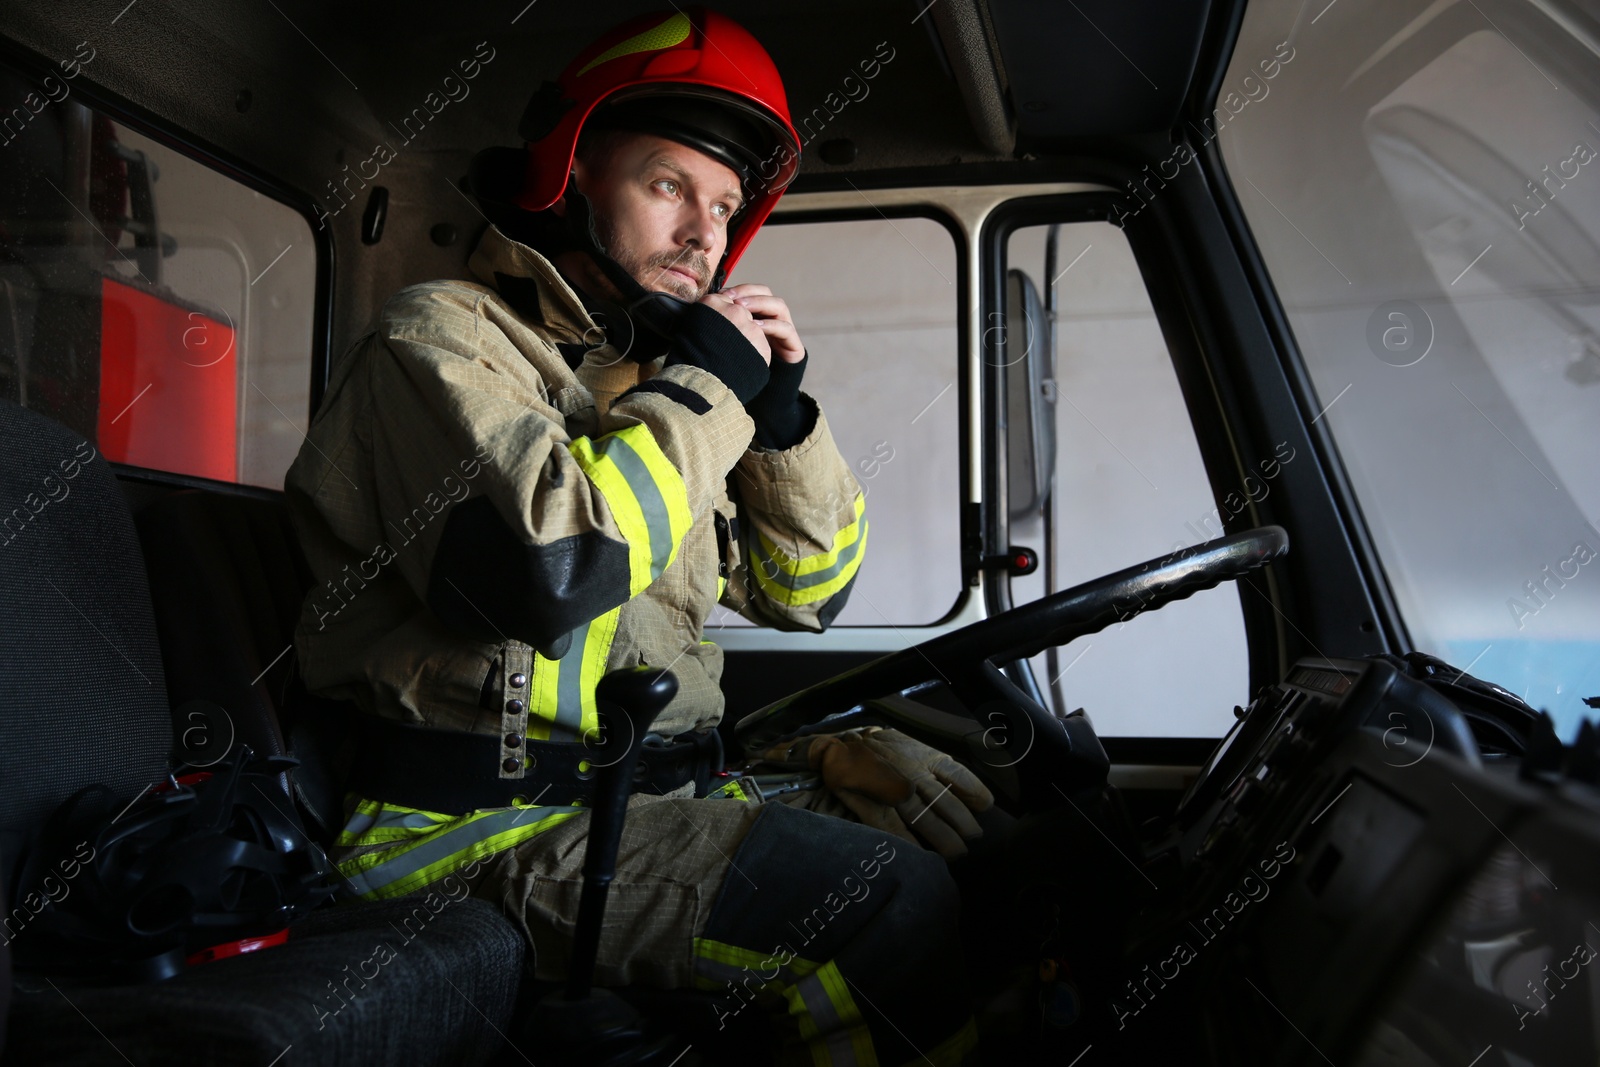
(657, 313)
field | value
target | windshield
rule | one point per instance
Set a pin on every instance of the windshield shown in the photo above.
(1423, 183)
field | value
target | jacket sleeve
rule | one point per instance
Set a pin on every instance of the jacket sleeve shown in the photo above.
(801, 532)
(550, 531)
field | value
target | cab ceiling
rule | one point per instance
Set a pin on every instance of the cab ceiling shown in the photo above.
(290, 87)
(299, 94)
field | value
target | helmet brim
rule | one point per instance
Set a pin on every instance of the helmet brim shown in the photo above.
(758, 147)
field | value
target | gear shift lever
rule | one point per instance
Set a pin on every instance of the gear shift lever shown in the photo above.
(628, 702)
(582, 1024)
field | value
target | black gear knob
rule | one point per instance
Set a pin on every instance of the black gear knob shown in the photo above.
(638, 694)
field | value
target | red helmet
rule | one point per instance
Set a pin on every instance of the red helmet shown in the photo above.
(694, 76)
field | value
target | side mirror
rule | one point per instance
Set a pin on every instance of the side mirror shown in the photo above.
(1030, 397)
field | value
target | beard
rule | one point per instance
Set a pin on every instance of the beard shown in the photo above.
(651, 270)
(656, 272)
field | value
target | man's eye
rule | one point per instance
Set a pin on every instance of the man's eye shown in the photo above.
(668, 185)
(722, 211)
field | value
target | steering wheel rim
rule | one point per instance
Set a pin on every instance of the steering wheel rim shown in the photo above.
(1022, 631)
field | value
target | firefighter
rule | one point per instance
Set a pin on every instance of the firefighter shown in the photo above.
(518, 483)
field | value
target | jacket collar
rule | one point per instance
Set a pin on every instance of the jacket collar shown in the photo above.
(532, 286)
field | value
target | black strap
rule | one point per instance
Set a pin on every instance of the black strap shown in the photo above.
(453, 772)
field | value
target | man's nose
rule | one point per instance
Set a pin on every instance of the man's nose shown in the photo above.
(699, 227)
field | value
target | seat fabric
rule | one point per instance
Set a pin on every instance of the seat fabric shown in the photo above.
(393, 982)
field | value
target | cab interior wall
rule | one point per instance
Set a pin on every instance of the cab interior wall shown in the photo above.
(311, 115)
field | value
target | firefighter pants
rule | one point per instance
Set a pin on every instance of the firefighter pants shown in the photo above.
(848, 937)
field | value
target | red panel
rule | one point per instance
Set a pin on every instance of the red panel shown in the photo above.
(168, 386)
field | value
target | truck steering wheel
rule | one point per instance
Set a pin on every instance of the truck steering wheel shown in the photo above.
(1071, 755)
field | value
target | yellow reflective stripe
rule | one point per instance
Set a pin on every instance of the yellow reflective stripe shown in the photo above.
(664, 474)
(458, 841)
(561, 703)
(595, 652)
(722, 587)
(813, 992)
(733, 955)
(674, 31)
(953, 1049)
(736, 789)
(806, 589)
(374, 822)
(645, 493)
(823, 560)
(849, 1016)
(722, 952)
(808, 1027)
(543, 701)
(723, 957)
(625, 509)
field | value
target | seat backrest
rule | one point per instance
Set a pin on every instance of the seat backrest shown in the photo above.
(227, 579)
(226, 595)
(82, 694)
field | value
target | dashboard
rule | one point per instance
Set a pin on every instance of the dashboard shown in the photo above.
(1348, 882)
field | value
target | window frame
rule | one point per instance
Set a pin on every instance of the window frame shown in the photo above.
(1247, 296)
(962, 210)
(963, 386)
(1261, 641)
(125, 112)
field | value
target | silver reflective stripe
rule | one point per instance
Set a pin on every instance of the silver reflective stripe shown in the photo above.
(826, 1018)
(569, 689)
(732, 978)
(651, 503)
(448, 843)
(805, 581)
(410, 820)
(360, 823)
(824, 1015)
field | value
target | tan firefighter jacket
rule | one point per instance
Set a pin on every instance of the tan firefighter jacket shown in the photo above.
(475, 510)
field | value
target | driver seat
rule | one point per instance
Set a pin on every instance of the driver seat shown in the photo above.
(83, 689)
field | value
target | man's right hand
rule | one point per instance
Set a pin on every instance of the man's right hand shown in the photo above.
(743, 319)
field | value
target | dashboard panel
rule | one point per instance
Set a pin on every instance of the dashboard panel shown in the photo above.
(1348, 882)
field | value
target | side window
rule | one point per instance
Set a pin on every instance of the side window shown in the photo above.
(151, 303)
(1128, 485)
(875, 303)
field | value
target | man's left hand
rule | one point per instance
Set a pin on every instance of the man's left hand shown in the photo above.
(772, 315)
(894, 783)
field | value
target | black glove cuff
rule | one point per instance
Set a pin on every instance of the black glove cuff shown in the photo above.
(709, 341)
(782, 420)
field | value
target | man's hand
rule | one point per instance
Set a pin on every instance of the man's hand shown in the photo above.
(744, 319)
(772, 315)
(894, 783)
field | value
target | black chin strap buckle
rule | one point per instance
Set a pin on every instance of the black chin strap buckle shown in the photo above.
(658, 313)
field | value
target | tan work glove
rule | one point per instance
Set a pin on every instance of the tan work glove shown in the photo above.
(896, 784)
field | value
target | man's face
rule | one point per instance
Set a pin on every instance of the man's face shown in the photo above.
(661, 210)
